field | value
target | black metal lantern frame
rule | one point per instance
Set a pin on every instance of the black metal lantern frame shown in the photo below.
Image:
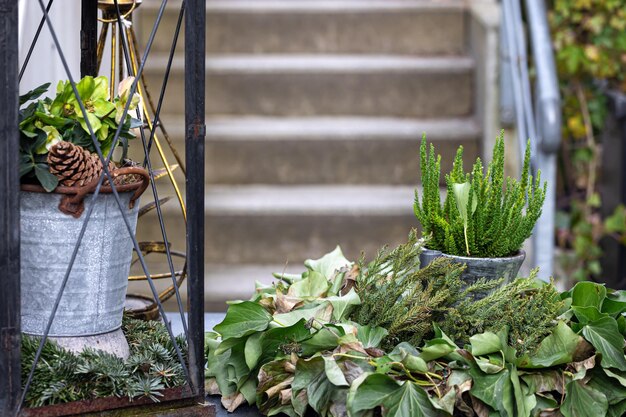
(11, 393)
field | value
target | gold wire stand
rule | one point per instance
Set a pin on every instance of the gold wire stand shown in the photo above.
(109, 20)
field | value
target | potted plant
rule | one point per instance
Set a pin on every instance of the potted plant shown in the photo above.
(484, 219)
(59, 170)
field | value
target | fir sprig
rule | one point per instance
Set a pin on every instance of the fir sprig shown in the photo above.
(399, 296)
(62, 376)
(497, 214)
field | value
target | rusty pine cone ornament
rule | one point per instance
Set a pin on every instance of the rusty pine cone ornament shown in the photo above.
(73, 165)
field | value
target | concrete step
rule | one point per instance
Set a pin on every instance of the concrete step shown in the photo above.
(274, 225)
(325, 150)
(329, 26)
(308, 85)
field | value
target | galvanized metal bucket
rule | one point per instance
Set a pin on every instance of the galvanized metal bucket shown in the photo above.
(93, 300)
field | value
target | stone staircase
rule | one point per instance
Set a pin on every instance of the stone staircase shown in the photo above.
(315, 110)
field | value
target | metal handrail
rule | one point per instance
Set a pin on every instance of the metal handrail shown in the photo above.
(540, 123)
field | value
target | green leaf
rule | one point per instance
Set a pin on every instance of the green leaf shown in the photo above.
(326, 338)
(397, 400)
(319, 312)
(583, 401)
(253, 350)
(274, 340)
(588, 294)
(616, 223)
(243, 319)
(495, 390)
(328, 264)
(599, 381)
(312, 287)
(617, 410)
(485, 343)
(34, 93)
(491, 364)
(371, 336)
(461, 196)
(437, 348)
(587, 314)
(333, 372)
(556, 349)
(604, 335)
(48, 180)
(525, 400)
(311, 375)
(342, 305)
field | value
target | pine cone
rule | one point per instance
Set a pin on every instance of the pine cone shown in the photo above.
(73, 165)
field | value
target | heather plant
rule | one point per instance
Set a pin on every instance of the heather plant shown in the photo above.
(483, 214)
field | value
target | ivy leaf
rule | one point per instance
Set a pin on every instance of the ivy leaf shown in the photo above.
(48, 180)
(243, 319)
(485, 343)
(253, 350)
(273, 340)
(495, 390)
(604, 335)
(588, 294)
(371, 336)
(342, 305)
(556, 349)
(312, 287)
(581, 400)
(397, 400)
(334, 373)
(326, 338)
(328, 264)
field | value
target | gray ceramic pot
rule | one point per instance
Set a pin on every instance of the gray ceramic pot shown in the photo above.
(476, 268)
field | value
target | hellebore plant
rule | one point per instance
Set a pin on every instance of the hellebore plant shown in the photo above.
(45, 122)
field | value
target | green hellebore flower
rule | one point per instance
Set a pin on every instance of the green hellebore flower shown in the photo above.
(123, 91)
(94, 93)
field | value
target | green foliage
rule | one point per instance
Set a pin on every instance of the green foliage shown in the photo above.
(330, 366)
(404, 299)
(62, 376)
(47, 121)
(483, 215)
(526, 307)
(590, 42)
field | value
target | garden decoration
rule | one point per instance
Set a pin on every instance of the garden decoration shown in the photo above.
(59, 169)
(484, 219)
(118, 31)
(389, 338)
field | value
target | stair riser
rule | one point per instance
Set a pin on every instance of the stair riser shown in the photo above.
(275, 239)
(394, 162)
(432, 31)
(398, 93)
(296, 160)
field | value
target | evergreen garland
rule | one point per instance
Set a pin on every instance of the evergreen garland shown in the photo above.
(406, 300)
(496, 216)
(62, 376)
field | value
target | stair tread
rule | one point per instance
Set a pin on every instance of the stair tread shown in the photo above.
(311, 63)
(309, 200)
(332, 128)
(256, 6)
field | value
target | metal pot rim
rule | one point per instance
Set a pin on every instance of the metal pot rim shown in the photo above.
(521, 254)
